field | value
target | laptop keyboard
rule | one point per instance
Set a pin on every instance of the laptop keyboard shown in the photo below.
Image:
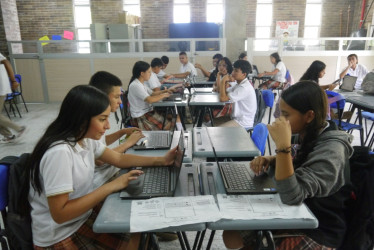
(237, 176)
(159, 139)
(156, 180)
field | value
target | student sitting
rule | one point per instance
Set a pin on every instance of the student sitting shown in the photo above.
(63, 201)
(316, 71)
(141, 97)
(111, 85)
(224, 73)
(355, 69)
(278, 74)
(212, 74)
(153, 82)
(243, 56)
(315, 176)
(162, 76)
(187, 68)
(242, 96)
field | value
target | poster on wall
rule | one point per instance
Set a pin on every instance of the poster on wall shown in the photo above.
(287, 29)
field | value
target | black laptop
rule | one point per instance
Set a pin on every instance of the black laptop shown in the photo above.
(348, 83)
(157, 181)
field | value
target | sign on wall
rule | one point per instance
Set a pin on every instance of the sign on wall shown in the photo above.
(287, 28)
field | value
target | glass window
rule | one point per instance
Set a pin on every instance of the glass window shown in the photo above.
(313, 14)
(82, 16)
(82, 20)
(264, 19)
(214, 11)
(262, 32)
(311, 32)
(181, 11)
(132, 7)
(264, 14)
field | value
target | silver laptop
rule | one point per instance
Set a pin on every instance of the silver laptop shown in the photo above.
(348, 83)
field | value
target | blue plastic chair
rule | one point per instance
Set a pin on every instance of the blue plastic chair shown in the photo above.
(259, 135)
(268, 96)
(339, 105)
(4, 173)
(18, 78)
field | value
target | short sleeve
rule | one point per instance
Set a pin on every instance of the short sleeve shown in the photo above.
(98, 148)
(140, 91)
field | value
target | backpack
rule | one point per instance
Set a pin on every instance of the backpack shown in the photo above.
(360, 208)
(261, 107)
(125, 109)
(367, 84)
(18, 227)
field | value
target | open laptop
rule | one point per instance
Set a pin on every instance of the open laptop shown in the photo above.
(348, 83)
(157, 181)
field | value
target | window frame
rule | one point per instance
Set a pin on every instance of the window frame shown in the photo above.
(82, 46)
(181, 3)
(210, 3)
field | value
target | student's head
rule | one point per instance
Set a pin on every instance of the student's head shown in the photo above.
(83, 113)
(243, 56)
(352, 59)
(141, 71)
(315, 71)
(225, 66)
(275, 58)
(109, 84)
(241, 70)
(156, 65)
(216, 59)
(165, 61)
(183, 58)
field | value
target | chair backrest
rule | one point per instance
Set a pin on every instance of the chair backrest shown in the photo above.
(336, 101)
(18, 78)
(259, 136)
(125, 108)
(268, 96)
(261, 107)
(4, 177)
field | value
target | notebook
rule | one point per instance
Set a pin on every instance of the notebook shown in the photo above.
(348, 83)
(157, 181)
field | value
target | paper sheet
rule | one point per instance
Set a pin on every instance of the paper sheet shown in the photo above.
(165, 212)
(252, 207)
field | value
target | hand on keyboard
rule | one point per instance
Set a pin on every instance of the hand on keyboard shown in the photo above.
(261, 164)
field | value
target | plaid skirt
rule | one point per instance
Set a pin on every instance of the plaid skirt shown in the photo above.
(285, 240)
(225, 111)
(85, 238)
(151, 121)
(270, 84)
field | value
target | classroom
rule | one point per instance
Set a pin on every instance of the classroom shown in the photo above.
(217, 78)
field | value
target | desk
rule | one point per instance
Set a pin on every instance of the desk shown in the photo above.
(227, 142)
(204, 103)
(160, 152)
(203, 84)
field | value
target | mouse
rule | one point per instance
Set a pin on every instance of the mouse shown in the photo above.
(135, 187)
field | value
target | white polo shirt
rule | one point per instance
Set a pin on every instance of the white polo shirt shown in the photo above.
(4, 79)
(161, 74)
(281, 75)
(153, 82)
(188, 67)
(63, 169)
(137, 94)
(360, 72)
(244, 104)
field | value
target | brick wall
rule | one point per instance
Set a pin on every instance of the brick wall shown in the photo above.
(106, 11)
(3, 45)
(10, 25)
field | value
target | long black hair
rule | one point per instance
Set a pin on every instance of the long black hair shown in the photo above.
(304, 96)
(229, 67)
(312, 73)
(276, 56)
(71, 125)
(139, 67)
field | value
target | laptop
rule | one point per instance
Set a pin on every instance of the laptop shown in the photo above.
(348, 83)
(157, 181)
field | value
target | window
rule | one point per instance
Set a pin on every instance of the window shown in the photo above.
(312, 18)
(214, 11)
(82, 18)
(182, 11)
(264, 19)
(132, 7)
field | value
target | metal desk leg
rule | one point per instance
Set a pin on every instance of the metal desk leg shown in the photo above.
(362, 129)
(201, 117)
(181, 241)
(211, 115)
(197, 237)
(201, 239)
(154, 242)
(186, 240)
(269, 239)
(210, 239)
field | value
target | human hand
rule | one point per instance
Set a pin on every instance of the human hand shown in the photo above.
(170, 156)
(166, 94)
(261, 75)
(15, 85)
(332, 86)
(129, 131)
(198, 65)
(280, 131)
(134, 138)
(123, 181)
(261, 164)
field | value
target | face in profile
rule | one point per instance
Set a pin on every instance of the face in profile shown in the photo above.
(183, 59)
(98, 125)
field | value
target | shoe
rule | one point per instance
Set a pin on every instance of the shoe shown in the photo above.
(22, 131)
(167, 236)
(8, 139)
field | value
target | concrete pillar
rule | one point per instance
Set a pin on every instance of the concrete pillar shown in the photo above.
(11, 24)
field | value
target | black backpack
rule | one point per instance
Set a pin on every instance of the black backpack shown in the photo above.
(261, 107)
(360, 208)
(18, 226)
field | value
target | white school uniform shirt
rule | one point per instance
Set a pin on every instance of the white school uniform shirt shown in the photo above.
(244, 105)
(153, 82)
(64, 168)
(360, 72)
(137, 94)
(161, 74)
(188, 67)
(4, 79)
(281, 75)
(103, 172)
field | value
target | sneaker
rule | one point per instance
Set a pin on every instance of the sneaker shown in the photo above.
(22, 131)
(167, 236)
(8, 139)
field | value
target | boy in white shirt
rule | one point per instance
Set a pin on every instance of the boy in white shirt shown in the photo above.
(242, 96)
(153, 82)
(187, 68)
(355, 69)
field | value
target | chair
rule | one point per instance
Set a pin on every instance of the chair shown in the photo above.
(259, 135)
(337, 101)
(125, 110)
(19, 93)
(268, 96)
(9, 98)
(260, 112)
(4, 172)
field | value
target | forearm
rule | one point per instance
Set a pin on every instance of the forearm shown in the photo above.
(182, 75)
(9, 70)
(205, 72)
(223, 97)
(123, 147)
(130, 160)
(344, 72)
(109, 139)
(156, 98)
(159, 92)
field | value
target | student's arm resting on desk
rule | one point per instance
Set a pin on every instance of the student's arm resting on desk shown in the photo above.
(223, 97)
(267, 73)
(159, 92)
(62, 209)
(156, 98)
(109, 139)
(182, 75)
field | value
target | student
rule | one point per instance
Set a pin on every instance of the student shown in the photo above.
(242, 96)
(6, 73)
(212, 74)
(141, 98)
(153, 82)
(111, 85)
(224, 72)
(63, 202)
(355, 69)
(278, 74)
(243, 56)
(316, 71)
(187, 68)
(162, 76)
(316, 176)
